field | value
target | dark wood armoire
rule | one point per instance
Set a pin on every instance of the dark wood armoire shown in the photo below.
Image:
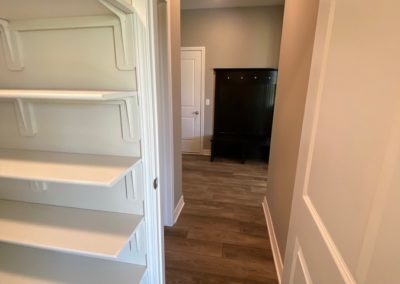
(243, 113)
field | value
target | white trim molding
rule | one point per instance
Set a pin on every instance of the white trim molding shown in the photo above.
(330, 243)
(146, 37)
(274, 242)
(179, 208)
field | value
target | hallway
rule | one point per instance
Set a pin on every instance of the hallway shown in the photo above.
(221, 235)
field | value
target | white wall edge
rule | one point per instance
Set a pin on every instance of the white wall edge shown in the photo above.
(178, 209)
(274, 243)
(165, 119)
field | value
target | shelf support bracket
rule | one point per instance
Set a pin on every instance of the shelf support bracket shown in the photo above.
(11, 46)
(38, 185)
(135, 242)
(123, 34)
(140, 10)
(129, 111)
(130, 122)
(131, 185)
(135, 6)
(25, 117)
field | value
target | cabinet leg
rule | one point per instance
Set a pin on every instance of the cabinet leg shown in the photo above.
(242, 151)
(212, 151)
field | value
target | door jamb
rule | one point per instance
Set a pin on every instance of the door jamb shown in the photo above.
(146, 39)
(165, 115)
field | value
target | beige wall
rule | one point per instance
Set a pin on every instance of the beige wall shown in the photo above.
(233, 37)
(294, 71)
(175, 36)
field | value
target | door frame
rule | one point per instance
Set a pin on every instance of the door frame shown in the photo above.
(165, 115)
(148, 79)
(202, 49)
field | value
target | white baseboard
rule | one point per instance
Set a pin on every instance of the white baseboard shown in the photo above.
(273, 240)
(204, 152)
(178, 209)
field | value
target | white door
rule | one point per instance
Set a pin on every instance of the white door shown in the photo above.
(191, 91)
(345, 216)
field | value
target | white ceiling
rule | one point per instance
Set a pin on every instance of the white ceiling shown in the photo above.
(205, 4)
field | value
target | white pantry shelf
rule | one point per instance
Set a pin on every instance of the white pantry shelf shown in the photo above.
(43, 9)
(66, 95)
(83, 169)
(68, 230)
(21, 265)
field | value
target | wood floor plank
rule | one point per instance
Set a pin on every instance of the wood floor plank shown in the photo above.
(175, 232)
(225, 210)
(229, 238)
(200, 247)
(177, 276)
(248, 254)
(220, 267)
(207, 224)
(254, 229)
(221, 235)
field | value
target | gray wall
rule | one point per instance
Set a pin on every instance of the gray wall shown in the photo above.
(294, 71)
(175, 35)
(233, 37)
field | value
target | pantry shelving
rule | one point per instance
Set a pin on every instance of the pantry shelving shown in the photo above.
(78, 154)
(93, 170)
(89, 95)
(20, 265)
(68, 230)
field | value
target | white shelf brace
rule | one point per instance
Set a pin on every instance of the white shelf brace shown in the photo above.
(137, 240)
(123, 37)
(138, 6)
(129, 110)
(38, 186)
(11, 47)
(25, 117)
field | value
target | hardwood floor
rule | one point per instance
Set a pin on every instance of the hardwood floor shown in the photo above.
(221, 235)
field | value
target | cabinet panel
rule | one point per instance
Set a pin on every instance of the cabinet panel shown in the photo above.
(244, 104)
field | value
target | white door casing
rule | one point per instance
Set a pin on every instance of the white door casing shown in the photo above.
(148, 78)
(192, 88)
(345, 212)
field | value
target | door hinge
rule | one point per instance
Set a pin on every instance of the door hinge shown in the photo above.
(155, 183)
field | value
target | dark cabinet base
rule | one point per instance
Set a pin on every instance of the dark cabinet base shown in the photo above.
(240, 149)
(243, 113)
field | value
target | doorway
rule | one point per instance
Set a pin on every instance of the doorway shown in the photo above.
(218, 217)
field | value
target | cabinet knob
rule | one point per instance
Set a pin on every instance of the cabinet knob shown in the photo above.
(196, 112)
